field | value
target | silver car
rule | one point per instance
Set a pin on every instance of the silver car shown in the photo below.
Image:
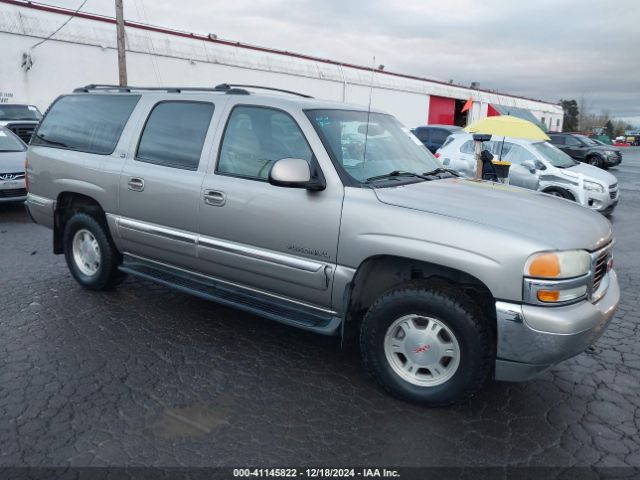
(13, 153)
(538, 166)
(326, 217)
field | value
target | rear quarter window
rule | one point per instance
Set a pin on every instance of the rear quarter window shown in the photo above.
(86, 123)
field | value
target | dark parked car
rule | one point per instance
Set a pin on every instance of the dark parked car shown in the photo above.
(20, 119)
(584, 149)
(433, 136)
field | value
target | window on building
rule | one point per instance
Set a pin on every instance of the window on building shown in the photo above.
(174, 134)
(255, 138)
(87, 123)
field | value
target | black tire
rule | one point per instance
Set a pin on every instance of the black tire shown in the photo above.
(595, 161)
(558, 192)
(459, 314)
(107, 275)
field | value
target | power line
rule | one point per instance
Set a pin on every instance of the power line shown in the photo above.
(61, 26)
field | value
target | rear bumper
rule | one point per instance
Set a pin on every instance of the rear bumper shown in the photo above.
(532, 339)
(40, 209)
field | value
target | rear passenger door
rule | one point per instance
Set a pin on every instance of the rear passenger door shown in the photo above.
(160, 183)
(279, 240)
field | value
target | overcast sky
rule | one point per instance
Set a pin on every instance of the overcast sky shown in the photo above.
(547, 49)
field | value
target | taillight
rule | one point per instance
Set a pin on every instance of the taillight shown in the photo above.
(26, 172)
(437, 154)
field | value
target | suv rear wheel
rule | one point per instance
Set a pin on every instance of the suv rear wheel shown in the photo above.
(91, 256)
(429, 346)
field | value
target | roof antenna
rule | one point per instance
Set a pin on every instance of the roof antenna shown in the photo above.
(366, 132)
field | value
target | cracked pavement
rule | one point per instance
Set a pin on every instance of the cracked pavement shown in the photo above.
(147, 376)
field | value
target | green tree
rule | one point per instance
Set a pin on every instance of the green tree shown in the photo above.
(609, 129)
(571, 113)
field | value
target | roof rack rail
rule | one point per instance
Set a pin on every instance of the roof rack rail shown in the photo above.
(128, 89)
(230, 87)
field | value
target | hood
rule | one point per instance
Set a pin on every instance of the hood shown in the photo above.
(12, 162)
(593, 173)
(553, 222)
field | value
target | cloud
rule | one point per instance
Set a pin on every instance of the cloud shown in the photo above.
(547, 49)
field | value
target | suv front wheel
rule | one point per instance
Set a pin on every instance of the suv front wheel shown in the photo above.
(91, 256)
(429, 346)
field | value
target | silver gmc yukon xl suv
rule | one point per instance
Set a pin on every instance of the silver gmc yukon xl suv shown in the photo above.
(326, 217)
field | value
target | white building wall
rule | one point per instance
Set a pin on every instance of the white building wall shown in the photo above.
(84, 52)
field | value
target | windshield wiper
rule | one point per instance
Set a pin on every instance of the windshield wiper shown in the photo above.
(435, 171)
(51, 142)
(396, 174)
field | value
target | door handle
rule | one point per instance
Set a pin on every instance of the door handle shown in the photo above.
(136, 184)
(215, 198)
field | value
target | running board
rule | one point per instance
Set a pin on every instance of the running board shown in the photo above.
(258, 303)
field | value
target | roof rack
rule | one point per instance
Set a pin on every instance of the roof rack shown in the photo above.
(229, 89)
(128, 89)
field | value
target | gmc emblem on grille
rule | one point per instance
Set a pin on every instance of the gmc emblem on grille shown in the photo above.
(7, 176)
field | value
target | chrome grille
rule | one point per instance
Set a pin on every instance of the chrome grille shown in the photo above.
(600, 268)
(23, 130)
(613, 191)
(11, 176)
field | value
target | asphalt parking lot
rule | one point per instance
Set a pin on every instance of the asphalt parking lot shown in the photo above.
(144, 375)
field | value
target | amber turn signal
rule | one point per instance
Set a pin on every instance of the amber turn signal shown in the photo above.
(548, 295)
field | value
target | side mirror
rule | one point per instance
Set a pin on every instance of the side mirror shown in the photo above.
(540, 165)
(293, 173)
(529, 165)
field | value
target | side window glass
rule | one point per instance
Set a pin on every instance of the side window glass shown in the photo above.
(518, 154)
(422, 134)
(438, 135)
(467, 147)
(174, 134)
(255, 138)
(88, 123)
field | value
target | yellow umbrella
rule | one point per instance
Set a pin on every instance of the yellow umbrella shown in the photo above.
(507, 126)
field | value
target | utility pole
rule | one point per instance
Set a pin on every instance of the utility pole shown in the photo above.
(122, 56)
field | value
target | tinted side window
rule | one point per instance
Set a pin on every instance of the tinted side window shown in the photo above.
(439, 135)
(255, 138)
(422, 134)
(174, 134)
(89, 123)
(557, 139)
(573, 142)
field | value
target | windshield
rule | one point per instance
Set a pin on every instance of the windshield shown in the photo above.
(10, 143)
(554, 156)
(19, 112)
(585, 140)
(389, 147)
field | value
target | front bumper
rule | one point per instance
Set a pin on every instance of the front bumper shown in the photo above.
(534, 338)
(612, 161)
(604, 203)
(13, 190)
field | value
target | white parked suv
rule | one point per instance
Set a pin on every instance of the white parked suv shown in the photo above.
(538, 166)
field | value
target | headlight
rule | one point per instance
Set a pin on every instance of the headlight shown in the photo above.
(558, 265)
(556, 277)
(593, 186)
(610, 153)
